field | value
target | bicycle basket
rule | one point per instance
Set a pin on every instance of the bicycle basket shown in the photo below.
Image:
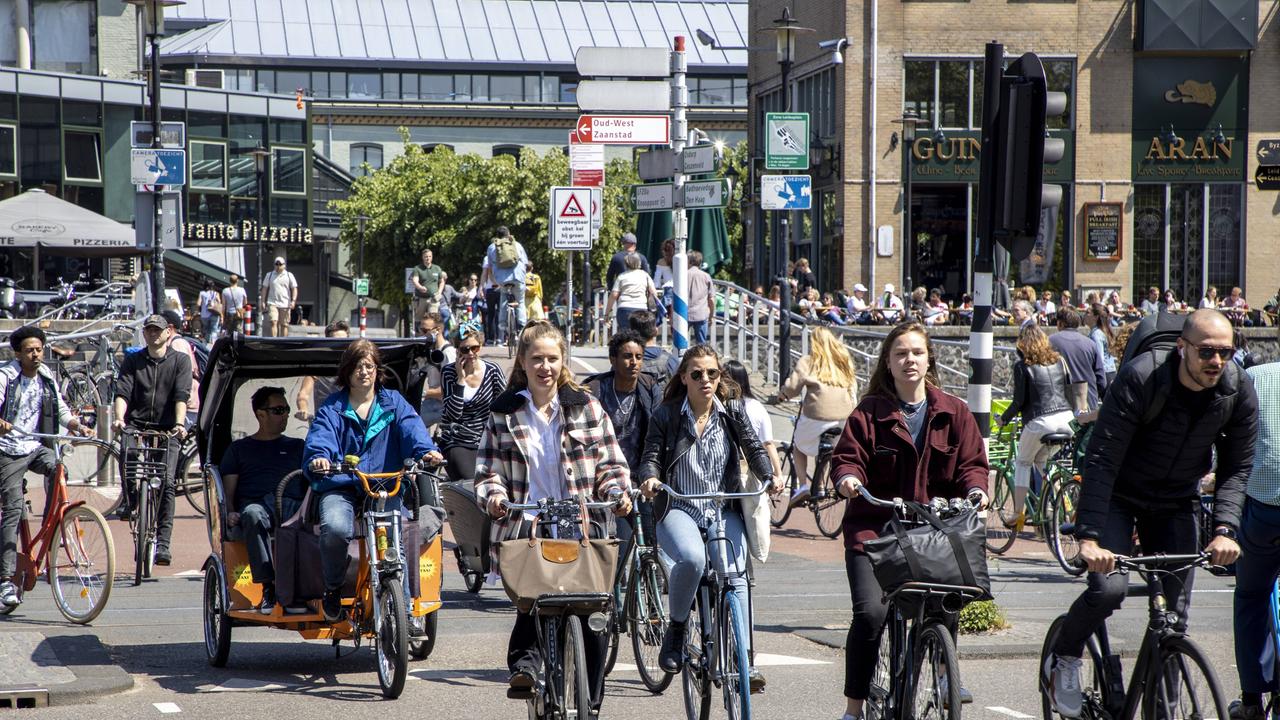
(943, 551)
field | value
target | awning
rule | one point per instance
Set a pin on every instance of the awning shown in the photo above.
(36, 218)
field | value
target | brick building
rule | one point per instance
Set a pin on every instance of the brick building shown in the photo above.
(1165, 115)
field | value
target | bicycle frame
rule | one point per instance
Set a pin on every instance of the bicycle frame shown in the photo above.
(903, 631)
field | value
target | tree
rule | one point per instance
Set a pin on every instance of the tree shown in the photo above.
(454, 203)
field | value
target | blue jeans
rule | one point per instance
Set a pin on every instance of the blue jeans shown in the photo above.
(522, 313)
(680, 539)
(697, 332)
(212, 327)
(432, 411)
(1256, 572)
(338, 510)
(257, 524)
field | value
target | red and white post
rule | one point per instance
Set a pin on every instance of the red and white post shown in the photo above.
(248, 319)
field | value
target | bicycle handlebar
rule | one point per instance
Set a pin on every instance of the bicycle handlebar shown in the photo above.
(349, 466)
(73, 439)
(713, 496)
(543, 503)
(937, 505)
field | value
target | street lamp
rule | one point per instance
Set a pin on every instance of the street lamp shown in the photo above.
(260, 155)
(362, 221)
(909, 120)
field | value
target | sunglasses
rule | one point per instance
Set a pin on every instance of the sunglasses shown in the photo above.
(1207, 352)
(469, 349)
(697, 375)
(277, 409)
(278, 264)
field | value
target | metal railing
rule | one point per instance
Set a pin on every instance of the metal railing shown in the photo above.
(110, 297)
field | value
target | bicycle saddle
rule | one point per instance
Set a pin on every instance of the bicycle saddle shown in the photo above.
(62, 352)
(1056, 438)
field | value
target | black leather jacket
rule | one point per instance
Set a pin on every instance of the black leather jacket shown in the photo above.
(666, 441)
(1038, 390)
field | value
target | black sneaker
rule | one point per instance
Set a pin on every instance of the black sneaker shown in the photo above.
(521, 685)
(163, 556)
(268, 604)
(1237, 710)
(331, 606)
(672, 653)
(121, 513)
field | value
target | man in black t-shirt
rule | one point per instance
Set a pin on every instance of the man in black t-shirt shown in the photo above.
(251, 471)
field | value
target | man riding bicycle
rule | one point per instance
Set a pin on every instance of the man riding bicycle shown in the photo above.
(151, 394)
(1143, 470)
(507, 264)
(30, 402)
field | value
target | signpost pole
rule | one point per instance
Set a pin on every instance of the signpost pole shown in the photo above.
(154, 8)
(680, 262)
(981, 337)
(568, 300)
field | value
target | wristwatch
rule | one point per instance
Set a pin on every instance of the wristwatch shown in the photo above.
(1225, 531)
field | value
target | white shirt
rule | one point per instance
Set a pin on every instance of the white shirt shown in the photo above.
(759, 418)
(280, 286)
(663, 277)
(543, 458)
(856, 304)
(30, 392)
(1046, 306)
(633, 287)
(233, 298)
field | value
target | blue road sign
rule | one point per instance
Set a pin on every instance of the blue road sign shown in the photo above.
(158, 166)
(786, 192)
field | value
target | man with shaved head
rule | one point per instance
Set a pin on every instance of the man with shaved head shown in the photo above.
(1164, 415)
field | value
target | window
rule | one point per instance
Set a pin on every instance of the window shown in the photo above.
(82, 156)
(208, 165)
(266, 81)
(506, 88)
(480, 88)
(531, 88)
(947, 94)
(320, 84)
(288, 170)
(462, 88)
(953, 94)
(364, 86)
(428, 147)
(290, 81)
(362, 153)
(1202, 226)
(391, 86)
(436, 87)
(409, 86)
(512, 151)
(568, 92)
(550, 88)
(8, 150)
(740, 91)
(918, 95)
(713, 91)
(815, 94)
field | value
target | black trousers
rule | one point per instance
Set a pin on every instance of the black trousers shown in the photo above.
(461, 463)
(493, 305)
(168, 495)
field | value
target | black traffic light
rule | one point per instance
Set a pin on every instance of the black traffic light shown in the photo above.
(1021, 150)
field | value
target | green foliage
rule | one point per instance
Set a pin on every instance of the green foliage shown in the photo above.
(982, 616)
(735, 165)
(453, 204)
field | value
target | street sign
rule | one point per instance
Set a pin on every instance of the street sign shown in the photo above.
(706, 193)
(624, 129)
(786, 192)
(786, 144)
(657, 164)
(571, 218)
(652, 197)
(597, 210)
(1267, 177)
(172, 134)
(149, 166)
(1269, 152)
(624, 95)
(586, 163)
(623, 62)
(362, 287)
(699, 159)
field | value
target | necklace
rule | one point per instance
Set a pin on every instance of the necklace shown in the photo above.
(910, 410)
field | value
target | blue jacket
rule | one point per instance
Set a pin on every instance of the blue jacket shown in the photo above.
(394, 433)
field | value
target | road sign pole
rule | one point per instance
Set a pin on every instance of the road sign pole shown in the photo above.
(157, 244)
(680, 262)
(568, 300)
(981, 336)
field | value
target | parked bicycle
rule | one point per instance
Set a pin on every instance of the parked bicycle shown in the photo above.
(1171, 678)
(73, 545)
(639, 593)
(827, 504)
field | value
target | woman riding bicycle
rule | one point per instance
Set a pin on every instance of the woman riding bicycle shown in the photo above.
(470, 385)
(694, 441)
(546, 438)
(826, 380)
(365, 419)
(909, 439)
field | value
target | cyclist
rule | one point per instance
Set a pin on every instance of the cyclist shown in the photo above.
(151, 394)
(365, 419)
(694, 441)
(826, 380)
(1144, 472)
(469, 385)
(546, 438)
(506, 264)
(30, 402)
(906, 438)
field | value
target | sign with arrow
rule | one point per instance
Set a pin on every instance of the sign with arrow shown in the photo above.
(625, 129)
(699, 160)
(786, 144)
(706, 193)
(652, 197)
(1269, 152)
(1267, 177)
(571, 212)
(786, 192)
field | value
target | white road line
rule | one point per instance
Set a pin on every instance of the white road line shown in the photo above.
(243, 685)
(762, 660)
(167, 708)
(1010, 713)
(586, 366)
(190, 573)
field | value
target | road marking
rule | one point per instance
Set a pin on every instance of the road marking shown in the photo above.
(167, 708)
(1010, 713)
(762, 660)
(590, 370)
(243, 685)
(190, 573)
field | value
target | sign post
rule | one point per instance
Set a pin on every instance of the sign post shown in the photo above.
(786, 145)
(625, 129)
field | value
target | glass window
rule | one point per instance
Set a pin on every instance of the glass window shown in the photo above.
(740, 91)
(208, 165)
(979, 69)
(82, 154)
(436, 87)
(512, 151)
(462, 88)
(206, 207)
(919, 91)
(715, 91)
(429, 147)
(480, 88)
(206, 124)
(362, 153)
(290, 81)
(550, 89)
(288, 131)
(288, 212)
(337, 84)
(506, 88)
(409, 86)
(1225, 216)
(266, 81)
(391, 86)
(1060, 77)
(568, 92)
(364, 86)
(320, 84)
(288, 170)
(8, 150)
(82, 113)
(953, 94)
(8, 108)
(531, 93)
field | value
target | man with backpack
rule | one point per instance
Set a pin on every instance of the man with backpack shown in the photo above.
(1176, 399)
(507, 263)
(658, 363)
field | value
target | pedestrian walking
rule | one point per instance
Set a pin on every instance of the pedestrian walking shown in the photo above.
(1102, 333)
(428, 279)
(631, 292)
(664, 277)
(533, 295)
(234, 298)
(279, 297)
(701, 300)
(210, 306)
(1082, 356)
(618, 263)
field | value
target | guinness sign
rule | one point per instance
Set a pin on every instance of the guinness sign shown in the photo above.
(247, 232)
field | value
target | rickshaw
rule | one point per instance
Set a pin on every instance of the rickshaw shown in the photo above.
(374, 596)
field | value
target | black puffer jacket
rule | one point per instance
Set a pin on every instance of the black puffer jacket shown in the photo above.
(1159, 464)
(1038, 390)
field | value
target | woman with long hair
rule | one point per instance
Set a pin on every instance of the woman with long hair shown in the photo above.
(695, 438)
(904, 422)
(756, 411)
(1102, 332)
(1041, 386)
(825, 381)
(546, 438)
(470, 384)
(1210, 299)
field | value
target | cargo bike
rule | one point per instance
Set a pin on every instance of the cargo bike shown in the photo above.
(392, 592)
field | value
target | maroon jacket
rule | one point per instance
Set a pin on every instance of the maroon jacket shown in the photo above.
(876, 448)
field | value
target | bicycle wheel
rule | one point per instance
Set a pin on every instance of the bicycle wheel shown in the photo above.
(192, 488)
(1181, 684)
(1093, 685)
(880, 697)
(424, 637)
(144, 535)
(935, 692)
(576, 693)
(471, 579)
(1002, 515)
(217, 626)
(82, 397)
(82, 565)
(695, 675)
(647, 621)
(828, 505)
(780, 504)
(1066, 549)
(737, 667)
(393, 638)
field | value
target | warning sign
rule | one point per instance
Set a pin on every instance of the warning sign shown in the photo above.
(570, 219)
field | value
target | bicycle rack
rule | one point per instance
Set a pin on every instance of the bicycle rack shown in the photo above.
(23, 698)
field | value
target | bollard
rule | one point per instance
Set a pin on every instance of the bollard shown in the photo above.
(248, 319)
(363, 313)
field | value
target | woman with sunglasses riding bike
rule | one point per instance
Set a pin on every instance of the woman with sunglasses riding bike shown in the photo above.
(470, 385)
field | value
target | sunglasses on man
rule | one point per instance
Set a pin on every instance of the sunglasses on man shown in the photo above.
(1206, 352)
(277, 410)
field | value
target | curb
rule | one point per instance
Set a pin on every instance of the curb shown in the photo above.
(96, 673)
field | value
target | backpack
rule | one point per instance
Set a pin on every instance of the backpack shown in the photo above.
(659, 367)
(508, 255)
(201, 352)
(1157, 334)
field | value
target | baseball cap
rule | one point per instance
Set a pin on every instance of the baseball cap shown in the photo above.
(156, 321)
(279, 260)
(859, 287)
(172, 317)
(888, 287)
(628, 239)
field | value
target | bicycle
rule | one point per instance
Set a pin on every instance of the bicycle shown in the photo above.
(718, 638)
(917, 672)
(639, 589)
(73, 545)
(562, 690)
(515, 295)
(827, 504)
(1046, 507)
(76, 385)
(1166, 659)
(144, 460)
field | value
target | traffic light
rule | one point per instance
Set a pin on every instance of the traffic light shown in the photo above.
(1022, 149)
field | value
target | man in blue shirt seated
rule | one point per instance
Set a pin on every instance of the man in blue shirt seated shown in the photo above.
(251, 471)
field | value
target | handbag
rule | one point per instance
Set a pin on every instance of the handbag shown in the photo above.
(756, 517)
(942, 551)
(542, 566)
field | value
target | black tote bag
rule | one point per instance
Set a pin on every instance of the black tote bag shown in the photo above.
(943, 551)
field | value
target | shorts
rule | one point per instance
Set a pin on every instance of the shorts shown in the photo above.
(809, 433)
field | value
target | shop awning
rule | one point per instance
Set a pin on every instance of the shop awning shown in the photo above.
(37, 219)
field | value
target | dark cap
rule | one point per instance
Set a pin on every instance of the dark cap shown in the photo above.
(156, 321)
(173, 317)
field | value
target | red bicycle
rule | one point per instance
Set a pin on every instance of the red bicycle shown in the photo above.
(73, 546)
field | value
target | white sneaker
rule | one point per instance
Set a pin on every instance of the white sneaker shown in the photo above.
(1064, 685)
(9, 594)
(800, 495)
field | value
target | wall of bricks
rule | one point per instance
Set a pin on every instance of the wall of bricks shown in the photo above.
(117, 40)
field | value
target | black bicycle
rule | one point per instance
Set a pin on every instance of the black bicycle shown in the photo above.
(145, 463)
(827, 504)
(639, 591)
(1172, 678)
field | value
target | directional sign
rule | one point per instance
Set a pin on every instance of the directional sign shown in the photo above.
(149, 166)
(1269, 152)
(786, 192)
(624, 95)
(699, 159)
(657, 164)
(362, 287)
(597, 210)
(652, 197)
(571, 218)
(706, 193)
(786, 144)
(623, 62)
(586, 163)
(625, 129)
(1267, 177)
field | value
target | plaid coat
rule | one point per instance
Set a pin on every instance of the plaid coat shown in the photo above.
(591, 460)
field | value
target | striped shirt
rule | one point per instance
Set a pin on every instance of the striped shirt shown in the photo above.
(700, 470)
(462, 421)
(1264, 479)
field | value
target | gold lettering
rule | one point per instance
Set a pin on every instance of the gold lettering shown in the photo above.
(942, 154)
(306, 234)
(1177, 150)
(1223, 147)
(922, 149)
(1201, 150)
(1156, 150)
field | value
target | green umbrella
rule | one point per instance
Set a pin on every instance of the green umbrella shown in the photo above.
(652, 228)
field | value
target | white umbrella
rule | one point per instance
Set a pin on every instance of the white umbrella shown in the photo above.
(37, 219)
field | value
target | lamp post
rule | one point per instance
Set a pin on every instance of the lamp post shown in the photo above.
(259, 154)
(909, 120)
(362, 221)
